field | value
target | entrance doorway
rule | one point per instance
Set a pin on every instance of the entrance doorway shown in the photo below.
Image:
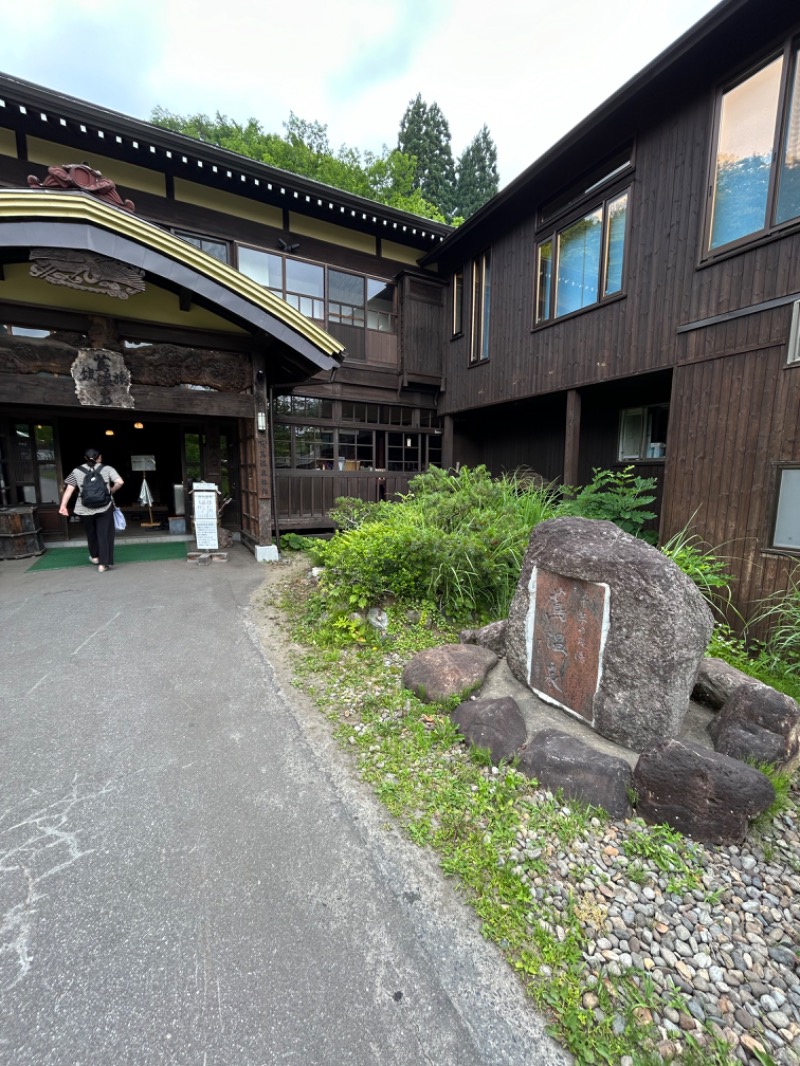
(37, 453)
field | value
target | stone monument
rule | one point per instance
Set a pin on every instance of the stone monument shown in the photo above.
(608, 628)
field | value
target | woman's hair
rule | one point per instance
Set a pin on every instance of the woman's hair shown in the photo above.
(91, 456)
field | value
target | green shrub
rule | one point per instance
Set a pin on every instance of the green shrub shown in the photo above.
(618, 496)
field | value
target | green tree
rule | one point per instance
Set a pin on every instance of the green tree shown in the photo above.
(477, 179)
(425, 135)
(305, 149)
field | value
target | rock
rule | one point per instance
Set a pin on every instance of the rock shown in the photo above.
(558, 760)
(709, 796)
(449, 670)
(492, 637)
(607, 626)
(716, 682)
(494, 724)
(758, 723)
(378, 619)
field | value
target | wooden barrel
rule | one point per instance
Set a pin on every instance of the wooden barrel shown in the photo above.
(20, 537)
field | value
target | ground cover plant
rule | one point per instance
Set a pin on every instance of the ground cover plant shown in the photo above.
(514, 849)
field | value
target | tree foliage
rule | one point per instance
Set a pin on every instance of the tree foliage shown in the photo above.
(425, 135)
(478, 179)
(305, 149)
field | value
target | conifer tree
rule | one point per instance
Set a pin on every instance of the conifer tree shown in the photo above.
(425, 134)
(478, 179)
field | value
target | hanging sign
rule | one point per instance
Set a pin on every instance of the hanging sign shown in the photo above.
(101, 378)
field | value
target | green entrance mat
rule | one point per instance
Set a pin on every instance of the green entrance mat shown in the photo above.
(62, 558)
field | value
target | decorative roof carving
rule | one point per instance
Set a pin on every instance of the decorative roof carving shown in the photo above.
(87, 272)
(83, 177)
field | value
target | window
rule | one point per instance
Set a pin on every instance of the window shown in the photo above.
(218, 249)
(481, 306)
(581, 264)
(327, 295)
(345, 298)
(786, 534)
(643, 432)
(458, 303)
(756, 180)
(304, 406)
(33, 463)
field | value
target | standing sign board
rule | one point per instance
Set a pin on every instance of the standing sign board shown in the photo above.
(204, 496)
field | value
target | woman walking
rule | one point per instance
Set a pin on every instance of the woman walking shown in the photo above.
(96, 485)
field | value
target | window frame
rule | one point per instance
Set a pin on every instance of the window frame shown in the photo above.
(789, 54)
(198, 239)
(780, 468)
(297, 299)
(480, 308)
(457, 296)
(645, 433)
(559, 225)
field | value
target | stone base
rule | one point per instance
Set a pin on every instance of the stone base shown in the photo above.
(266, 553)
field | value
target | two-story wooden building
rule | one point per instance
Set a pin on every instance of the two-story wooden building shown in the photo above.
(633, 298)
(249, 327)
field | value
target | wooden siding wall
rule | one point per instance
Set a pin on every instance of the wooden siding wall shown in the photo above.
(722, 457)
(422, 328)
(665, 284)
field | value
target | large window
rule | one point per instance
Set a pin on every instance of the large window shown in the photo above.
(330, 296)
(365, 444)
(481, 307)
(581, 264)
(756, 179)
(33, 463)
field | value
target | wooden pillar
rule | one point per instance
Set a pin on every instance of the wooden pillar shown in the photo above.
(447, 442)
(572, 437)
(261, 416)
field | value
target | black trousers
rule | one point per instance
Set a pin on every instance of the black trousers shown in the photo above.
(100, 535)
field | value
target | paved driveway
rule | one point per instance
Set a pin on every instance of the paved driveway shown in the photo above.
(186, 874)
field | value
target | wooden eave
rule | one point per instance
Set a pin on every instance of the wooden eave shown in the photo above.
(65, 219)
(37, 111)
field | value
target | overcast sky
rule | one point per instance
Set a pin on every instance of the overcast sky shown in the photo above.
(528, 69)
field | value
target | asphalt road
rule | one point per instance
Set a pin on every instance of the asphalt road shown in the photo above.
(187, 874)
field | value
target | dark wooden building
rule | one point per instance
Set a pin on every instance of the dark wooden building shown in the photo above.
(277, 335)
(633, 298)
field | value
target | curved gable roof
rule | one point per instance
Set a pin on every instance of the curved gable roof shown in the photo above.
(76, 220)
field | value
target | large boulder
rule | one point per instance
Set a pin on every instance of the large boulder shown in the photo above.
(438, 674)
(716, 682)
(759, 724)
(702, 793)
(560, 761)
(609, 628)
(496, 724)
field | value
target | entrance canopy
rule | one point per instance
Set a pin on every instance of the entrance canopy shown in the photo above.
(46, 237)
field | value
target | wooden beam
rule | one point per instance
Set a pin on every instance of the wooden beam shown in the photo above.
(572, 437)
(32, 390)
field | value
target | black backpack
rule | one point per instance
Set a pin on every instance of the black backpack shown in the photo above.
(94, 492)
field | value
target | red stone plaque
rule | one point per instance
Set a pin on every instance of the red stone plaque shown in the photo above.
(568, 629)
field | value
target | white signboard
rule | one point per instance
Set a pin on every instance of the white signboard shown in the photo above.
(204, 496)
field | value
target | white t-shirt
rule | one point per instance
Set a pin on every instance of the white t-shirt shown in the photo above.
(77, 477)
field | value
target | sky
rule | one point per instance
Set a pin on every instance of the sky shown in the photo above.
(529, 70)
